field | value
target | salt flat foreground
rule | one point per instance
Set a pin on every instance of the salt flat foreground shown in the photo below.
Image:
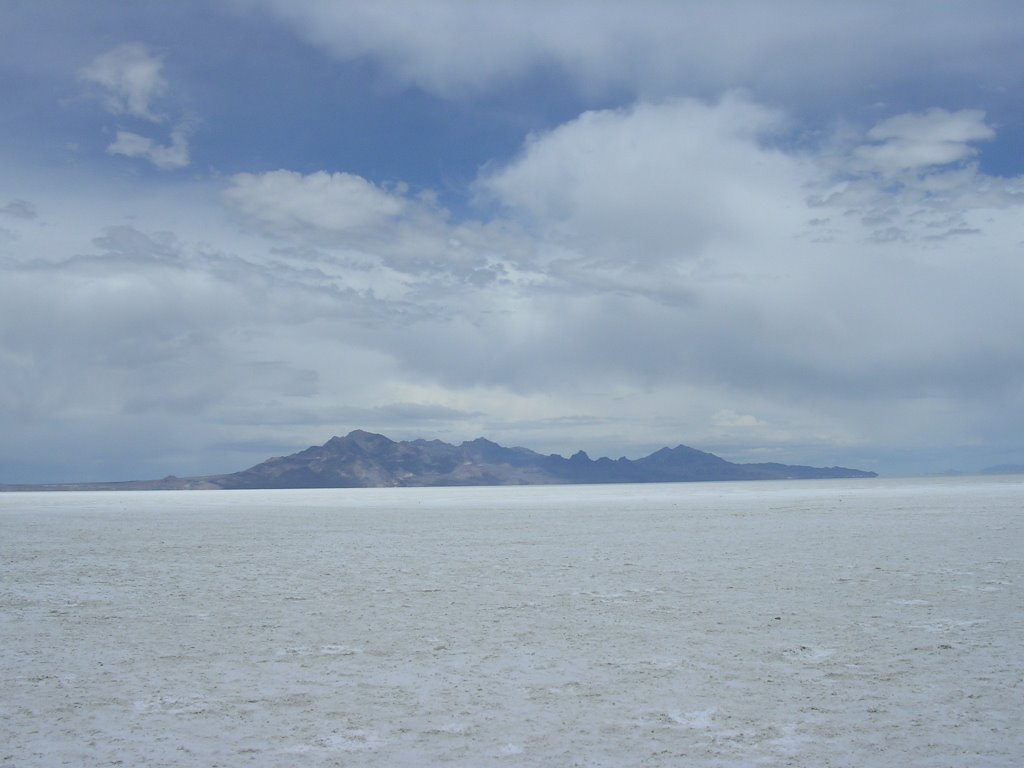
(822, 623)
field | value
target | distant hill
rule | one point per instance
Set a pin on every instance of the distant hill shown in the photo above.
(366, 460)
(1003, 469)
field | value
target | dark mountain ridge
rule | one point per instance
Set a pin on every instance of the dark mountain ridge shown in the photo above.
(367, 460)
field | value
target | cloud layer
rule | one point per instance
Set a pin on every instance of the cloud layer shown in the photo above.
(689, 257)
(653, 47)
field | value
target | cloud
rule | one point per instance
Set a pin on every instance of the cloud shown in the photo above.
(676, 270)
(131, 79)
(729, 419)
(911, 142)
(19, 209)
(339, 203)
(129, 243)
(164, 156)
(681, 252)
(676, 248)
(654, 48)
(909, 180)
(734, 224)
(653, 182)
(108, 343)
(394, 243)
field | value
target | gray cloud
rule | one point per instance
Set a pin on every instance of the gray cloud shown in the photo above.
(654, 48)
(19, 209)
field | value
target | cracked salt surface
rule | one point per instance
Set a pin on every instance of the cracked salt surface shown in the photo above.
(828, 623)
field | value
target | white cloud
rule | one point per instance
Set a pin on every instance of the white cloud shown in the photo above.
(163, 156)
(131, 79)
(333, 202)
(653, 182)
(918, 141)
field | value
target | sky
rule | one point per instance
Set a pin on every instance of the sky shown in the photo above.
(788, 231)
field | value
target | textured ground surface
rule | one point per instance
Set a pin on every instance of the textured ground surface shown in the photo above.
(822, 623)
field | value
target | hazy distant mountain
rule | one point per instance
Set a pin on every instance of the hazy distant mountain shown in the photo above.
(1003, 469)
(366, 460)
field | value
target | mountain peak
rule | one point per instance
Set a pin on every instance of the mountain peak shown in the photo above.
(362, 434)
(481, 442)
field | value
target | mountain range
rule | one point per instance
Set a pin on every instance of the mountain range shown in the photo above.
(367, 460)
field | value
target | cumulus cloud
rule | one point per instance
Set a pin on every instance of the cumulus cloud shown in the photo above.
(655, 181)
(131, 80)
(163, 156)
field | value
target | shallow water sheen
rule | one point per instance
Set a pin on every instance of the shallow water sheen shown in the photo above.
(816, 623)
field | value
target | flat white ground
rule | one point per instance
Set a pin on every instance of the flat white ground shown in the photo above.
(825, 623)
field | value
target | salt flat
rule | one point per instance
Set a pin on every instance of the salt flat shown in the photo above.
(817, 623)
